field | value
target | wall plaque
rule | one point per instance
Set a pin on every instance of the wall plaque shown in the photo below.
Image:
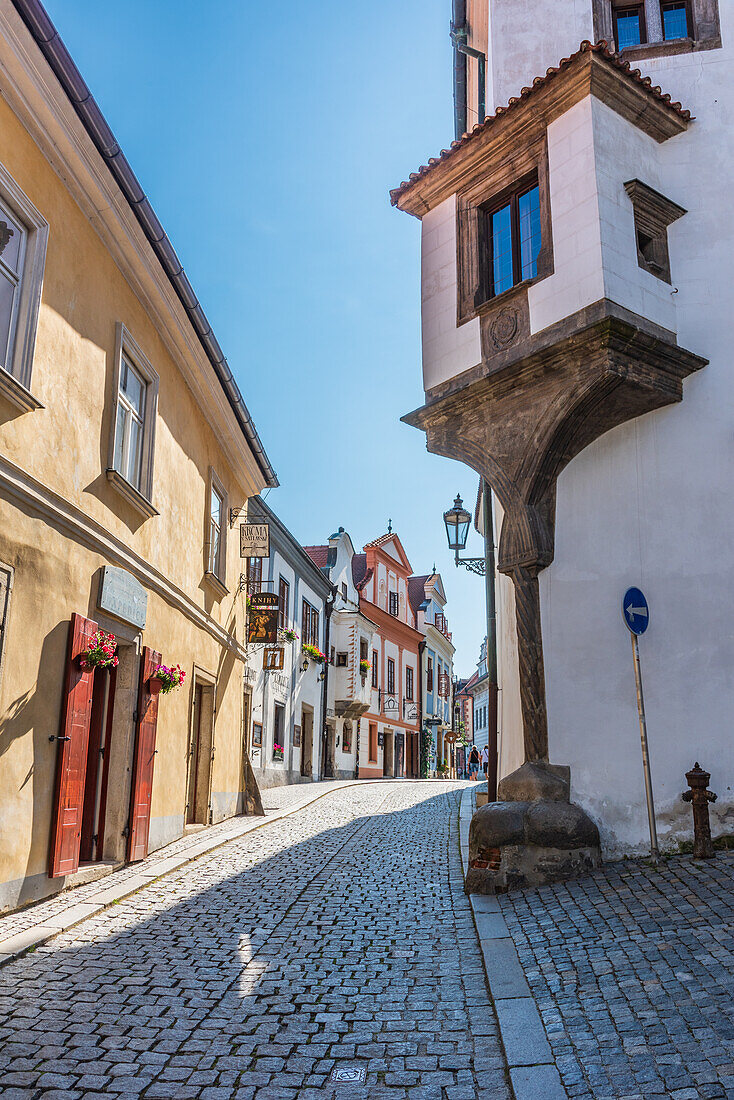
(254, 540)
(122, 595)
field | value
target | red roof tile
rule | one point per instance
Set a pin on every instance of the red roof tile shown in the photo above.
(601, 49)
(319, 555)
(416, 592)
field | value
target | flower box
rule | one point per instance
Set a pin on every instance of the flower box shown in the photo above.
(165, 679)
(313, 653)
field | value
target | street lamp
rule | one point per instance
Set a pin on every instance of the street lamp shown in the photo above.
(458, 521)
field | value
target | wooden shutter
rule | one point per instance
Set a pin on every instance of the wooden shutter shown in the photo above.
(137, 841)
(71, 761)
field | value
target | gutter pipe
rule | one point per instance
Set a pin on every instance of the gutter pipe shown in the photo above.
(53, 49)
(458, 27)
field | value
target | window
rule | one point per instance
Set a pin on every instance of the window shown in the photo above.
(23, 239)
(257, 734)
(373, 743)
(278, 727)
(375, 682)
(215, 537)
(676, 20)
(130, 466)
(429, 675)
(653, 214)
(629, 26)
(6, 584)
(283, 603)
(254, 575)
(341, 660)
(409, 683)
(393, 605)
(332, 655)
(309, 625)
(512, 241)
(347, 737)
(363, 649)
(390, 676)
(344, 591)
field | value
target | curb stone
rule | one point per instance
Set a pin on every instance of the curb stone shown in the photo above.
(533, 1071)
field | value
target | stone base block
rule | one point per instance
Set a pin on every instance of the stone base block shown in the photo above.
(523, 865)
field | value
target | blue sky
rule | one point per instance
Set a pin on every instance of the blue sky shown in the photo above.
(267, 138)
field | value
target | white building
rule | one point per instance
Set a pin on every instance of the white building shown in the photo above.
(427, 598)
(478, 688)
(576, 287)
(284, 710)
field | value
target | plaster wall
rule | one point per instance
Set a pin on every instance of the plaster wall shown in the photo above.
(647, 504)
(447, 350)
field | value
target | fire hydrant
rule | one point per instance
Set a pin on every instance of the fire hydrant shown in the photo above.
(698, 781)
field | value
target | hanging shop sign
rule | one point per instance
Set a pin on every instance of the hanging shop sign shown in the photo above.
(273, 659)
(122, 595)
(262, 619)
(254, 540)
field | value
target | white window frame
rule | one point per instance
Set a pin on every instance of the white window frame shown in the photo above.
(15, 380)
(140, 498)
(217, 576)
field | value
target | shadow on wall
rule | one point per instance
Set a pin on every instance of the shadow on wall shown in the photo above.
(221, 964)
(36, 713)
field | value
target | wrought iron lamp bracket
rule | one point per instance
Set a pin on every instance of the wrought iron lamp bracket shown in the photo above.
(474, 565)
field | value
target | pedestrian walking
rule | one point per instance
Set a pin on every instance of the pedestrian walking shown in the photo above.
(474, 762)
(485, 759)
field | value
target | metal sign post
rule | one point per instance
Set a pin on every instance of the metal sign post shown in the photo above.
(636, 615)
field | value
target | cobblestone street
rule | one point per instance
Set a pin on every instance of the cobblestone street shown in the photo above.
(632, 969)
(338, 937)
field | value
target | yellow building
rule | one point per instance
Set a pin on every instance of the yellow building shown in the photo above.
(124, 443)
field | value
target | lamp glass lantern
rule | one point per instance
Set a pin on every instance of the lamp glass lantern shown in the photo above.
(457, 521)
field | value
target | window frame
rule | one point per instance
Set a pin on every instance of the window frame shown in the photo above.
(309, 624)
(409, 685)
(284, 589)
(511, 198)
(429, 674)
(16, 378)
(375, 668)
(393, 600)
(216, 576)
(620, 9)
(254, 583)
(390, 676)
(689, 19)
(141, 498)
(342, 660)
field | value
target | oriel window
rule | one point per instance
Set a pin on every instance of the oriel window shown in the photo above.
(629, 26)
(513, 241)
(130, 423)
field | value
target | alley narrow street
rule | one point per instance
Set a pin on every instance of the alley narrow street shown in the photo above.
(337, 938)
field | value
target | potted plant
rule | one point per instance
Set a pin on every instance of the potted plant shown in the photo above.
(313, 653)
(165, 679)
(287, 635)
(442, 770)
(364, 667)
(277, 751)
(100, 653)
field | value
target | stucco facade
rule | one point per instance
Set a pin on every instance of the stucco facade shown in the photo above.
(596, 492)
(67, 514)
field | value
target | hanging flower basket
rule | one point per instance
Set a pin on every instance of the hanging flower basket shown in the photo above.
(277, 752)
(364, 667)
(101, 652)
(165, 679)
(287, 635)
(314, 653)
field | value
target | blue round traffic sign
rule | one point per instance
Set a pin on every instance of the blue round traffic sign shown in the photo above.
(635, 612)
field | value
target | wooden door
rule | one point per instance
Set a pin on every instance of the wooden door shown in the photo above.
(71, 761)
(142, 788)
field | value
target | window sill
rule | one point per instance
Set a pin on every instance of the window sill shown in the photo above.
(16, 393)
(668, 48)
(131, 494)
(215, 584)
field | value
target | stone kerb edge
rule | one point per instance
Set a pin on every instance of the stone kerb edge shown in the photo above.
(533, 1072)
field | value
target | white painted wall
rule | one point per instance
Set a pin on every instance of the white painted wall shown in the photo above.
(447, 350)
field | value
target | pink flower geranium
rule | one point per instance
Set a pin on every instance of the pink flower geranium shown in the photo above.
(101, 652)
(171, 676)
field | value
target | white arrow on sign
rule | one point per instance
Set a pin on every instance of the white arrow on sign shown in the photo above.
(632, 612)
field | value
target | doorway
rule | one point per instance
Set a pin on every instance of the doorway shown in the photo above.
(329, 751)
(307, 742)
(388, 754)
(200, 754)
(399, 770)
(98, 765)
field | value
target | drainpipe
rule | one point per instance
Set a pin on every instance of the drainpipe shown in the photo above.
(458, 27)
(328, 607)
(489, 569)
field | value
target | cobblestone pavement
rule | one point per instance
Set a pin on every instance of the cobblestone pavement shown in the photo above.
(632, 970)
(339, 937)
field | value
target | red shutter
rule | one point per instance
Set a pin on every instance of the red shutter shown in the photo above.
(137, 841)
(71, 762)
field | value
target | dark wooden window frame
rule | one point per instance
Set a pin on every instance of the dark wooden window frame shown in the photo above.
(372, 743)
(342, 660)
(620, 9)
(409, 683)
(394, 604)
(284, 589)
(375, 660)
(514, 175)
(390, 676)
(254, 575)
(511, 198)
(704, 27)
(689, 18)
(309, 624)
(429, 675)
